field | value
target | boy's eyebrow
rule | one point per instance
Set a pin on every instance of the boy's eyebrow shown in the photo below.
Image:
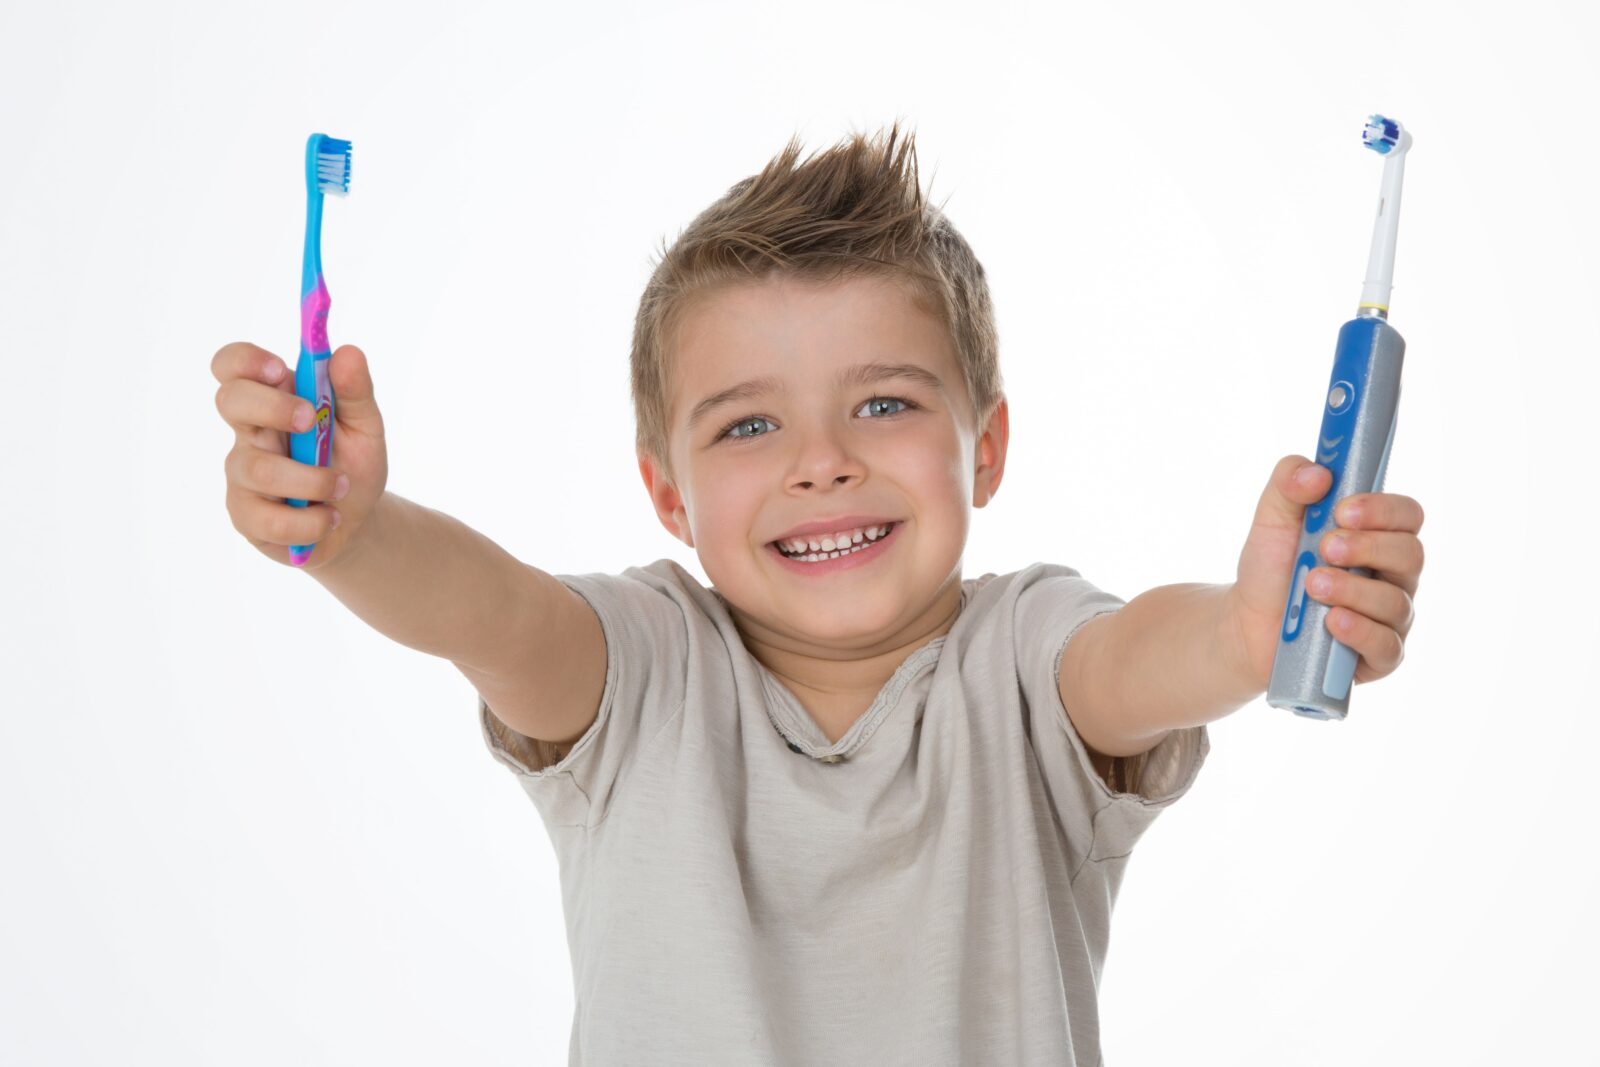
(859, 374)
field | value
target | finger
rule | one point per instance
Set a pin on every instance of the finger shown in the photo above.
(1295, 482)
(241, 359)
(277, 523)
(250, 405)
(1381, 601)
(278, 477)
(356, 404)
(1394, 557)
(1379, 511)
(1380, 648)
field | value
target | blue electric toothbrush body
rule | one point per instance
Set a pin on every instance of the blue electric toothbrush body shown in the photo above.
(327, 171)
(1313, 671)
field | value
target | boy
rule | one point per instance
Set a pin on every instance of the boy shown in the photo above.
(843, 806)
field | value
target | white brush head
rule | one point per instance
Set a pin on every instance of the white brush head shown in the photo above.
(1385, 136)
(1389, 139)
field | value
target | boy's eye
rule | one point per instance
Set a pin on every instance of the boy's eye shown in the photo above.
(747, 421)
(887, 400)
(750, 420)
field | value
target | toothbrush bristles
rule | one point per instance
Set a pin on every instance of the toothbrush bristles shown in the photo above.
(333, 166)
(1380, 134)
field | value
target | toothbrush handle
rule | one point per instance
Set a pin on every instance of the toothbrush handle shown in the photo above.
(314, 446)
(1312, 671)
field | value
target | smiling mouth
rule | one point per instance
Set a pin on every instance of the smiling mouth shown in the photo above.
(819, 557)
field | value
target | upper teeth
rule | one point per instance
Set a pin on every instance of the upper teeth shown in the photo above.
(829, 542)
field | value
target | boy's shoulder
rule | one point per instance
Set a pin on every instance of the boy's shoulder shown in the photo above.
(664, 592)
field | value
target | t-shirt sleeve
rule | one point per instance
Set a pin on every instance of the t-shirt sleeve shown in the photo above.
(646, 652)
(1101, 822)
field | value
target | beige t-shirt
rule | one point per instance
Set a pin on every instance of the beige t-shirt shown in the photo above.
(934, 888)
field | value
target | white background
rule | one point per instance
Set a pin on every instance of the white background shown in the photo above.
(239, 826)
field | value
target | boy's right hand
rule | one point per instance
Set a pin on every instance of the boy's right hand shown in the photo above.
(257, 398)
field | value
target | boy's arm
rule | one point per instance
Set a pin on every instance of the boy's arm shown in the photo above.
(1159, 663)
(1183, 655)
(532, 647)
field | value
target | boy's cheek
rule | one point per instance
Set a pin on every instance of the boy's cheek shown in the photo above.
(725, 511)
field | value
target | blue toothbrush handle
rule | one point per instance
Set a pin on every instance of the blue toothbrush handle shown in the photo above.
(1312, 671)
(314, 446)
(327, 171)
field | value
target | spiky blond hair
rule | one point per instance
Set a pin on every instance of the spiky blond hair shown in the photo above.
(854, 209)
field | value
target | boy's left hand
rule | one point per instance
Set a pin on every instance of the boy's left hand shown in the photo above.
(1370, 615)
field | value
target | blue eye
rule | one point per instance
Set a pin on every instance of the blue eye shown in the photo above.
(742, 422)
(728, 430)
(906, 404)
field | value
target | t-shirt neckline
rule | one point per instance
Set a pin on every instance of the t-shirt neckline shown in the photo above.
(800, 731)
(796, 726)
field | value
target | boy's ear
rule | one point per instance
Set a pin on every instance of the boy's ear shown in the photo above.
(665, 498)
(991, 458)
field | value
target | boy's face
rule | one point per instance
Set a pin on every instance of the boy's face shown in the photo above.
(814, 449)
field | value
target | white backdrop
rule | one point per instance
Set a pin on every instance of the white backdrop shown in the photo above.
(241, 827)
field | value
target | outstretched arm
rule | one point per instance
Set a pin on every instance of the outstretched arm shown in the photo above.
(532, 648)
(1182, 655)
(1162, 661)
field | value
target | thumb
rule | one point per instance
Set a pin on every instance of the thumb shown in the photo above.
(1296, 482)
(354, 401)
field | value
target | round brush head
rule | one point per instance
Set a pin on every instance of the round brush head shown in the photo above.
(1385, 136)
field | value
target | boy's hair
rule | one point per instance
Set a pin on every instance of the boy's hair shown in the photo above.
(855, 209)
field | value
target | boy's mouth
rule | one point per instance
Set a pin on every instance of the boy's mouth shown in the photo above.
(827, 561)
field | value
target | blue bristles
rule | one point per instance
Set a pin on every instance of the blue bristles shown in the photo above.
(1381, 134)
(333, 166)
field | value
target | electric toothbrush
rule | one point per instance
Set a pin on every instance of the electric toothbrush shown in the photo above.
(1313, 671)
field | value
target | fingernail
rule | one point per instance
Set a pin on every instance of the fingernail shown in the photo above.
(1319, 583)
(1337, 547)
(1307, 475)
(336, 517)
(302, 417)
(274, 371)
(341, 487)
(1349, 515)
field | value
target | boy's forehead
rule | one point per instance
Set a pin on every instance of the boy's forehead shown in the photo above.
(763, 335)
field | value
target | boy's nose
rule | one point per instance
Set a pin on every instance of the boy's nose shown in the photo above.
(837, 478)
(824, 460)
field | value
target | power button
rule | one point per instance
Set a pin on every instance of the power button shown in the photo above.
(1295, 614)
(1340, 397)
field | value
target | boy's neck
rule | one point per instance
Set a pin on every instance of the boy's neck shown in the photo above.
(837, 679)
